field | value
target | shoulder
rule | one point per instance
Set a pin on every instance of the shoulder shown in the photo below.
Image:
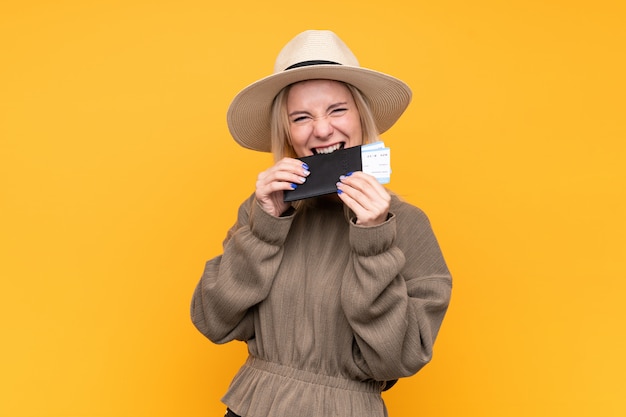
(245, 206)
(412, 223)
(416, 238)
(406, 212)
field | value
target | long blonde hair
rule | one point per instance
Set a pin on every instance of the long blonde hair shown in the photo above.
(279, 122)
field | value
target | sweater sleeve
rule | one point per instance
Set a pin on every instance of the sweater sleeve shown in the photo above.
(241, 277)
(395, 294)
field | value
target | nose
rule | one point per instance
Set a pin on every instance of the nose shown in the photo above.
(323, 128)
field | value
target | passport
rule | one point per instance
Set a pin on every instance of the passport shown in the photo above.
(325, 169)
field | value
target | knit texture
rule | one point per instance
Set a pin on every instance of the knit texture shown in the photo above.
(329, 309)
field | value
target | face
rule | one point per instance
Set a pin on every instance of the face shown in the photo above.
(322, 117)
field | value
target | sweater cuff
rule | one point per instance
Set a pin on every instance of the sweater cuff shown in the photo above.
(372, 240)
(268, 228)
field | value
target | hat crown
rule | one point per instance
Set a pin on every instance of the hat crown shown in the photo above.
(315, 45)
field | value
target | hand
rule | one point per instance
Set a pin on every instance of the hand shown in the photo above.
(286, 174)
(365, 196)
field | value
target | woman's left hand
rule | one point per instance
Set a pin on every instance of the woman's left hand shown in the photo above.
(365, 196)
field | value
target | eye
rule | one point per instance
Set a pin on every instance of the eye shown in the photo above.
(340, 111)
(300, 119)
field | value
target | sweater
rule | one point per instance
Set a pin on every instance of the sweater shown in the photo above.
(331, 311)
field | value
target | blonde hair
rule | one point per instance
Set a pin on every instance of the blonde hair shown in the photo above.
(279, 122)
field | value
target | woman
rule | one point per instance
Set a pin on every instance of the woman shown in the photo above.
(336, 296)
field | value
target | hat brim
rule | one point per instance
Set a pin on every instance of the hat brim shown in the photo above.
(248, 116)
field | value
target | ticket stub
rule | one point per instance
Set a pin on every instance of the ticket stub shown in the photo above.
(376, 161)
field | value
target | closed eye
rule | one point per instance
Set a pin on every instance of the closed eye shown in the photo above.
(299, 117)
(302, 117)
(338, 111)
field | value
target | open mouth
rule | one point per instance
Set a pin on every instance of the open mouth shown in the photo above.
(328, 149)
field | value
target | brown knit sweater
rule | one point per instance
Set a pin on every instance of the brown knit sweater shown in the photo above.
(329, 309)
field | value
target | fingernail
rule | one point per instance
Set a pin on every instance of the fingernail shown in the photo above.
(339, 192)
(342, 177)
(305, 166)
(306, 173)
(294, 186)
(349, 173)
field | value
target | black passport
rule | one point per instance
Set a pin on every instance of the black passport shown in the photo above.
(325, 172)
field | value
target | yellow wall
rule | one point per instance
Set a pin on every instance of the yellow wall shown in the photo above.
(118, 179)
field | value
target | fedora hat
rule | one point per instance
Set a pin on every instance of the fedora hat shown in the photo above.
(313, 54)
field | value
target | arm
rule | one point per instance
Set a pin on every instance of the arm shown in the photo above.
(241, 277)
(395, 294)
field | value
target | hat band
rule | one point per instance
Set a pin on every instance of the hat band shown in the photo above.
(309, 63)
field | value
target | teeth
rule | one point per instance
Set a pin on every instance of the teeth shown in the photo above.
(330, 149)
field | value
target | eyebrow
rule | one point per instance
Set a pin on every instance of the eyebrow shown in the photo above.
(331, 107)
(340, 104)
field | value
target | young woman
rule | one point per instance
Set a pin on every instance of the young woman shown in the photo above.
(336, 296)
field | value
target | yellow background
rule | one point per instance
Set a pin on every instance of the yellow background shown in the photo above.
(118, 179)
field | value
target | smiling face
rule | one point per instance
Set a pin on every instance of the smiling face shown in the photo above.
(323, 117)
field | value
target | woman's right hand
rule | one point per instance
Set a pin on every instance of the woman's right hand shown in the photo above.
(286, 174)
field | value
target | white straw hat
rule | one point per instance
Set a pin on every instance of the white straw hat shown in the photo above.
(313, 54)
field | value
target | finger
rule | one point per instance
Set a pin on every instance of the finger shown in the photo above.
(292, 165)
(287, 171)
(282, 180)
(364, 216)
(361, 203)
(367, 184)
(362, 195)
(367, 188)
(344, 192)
